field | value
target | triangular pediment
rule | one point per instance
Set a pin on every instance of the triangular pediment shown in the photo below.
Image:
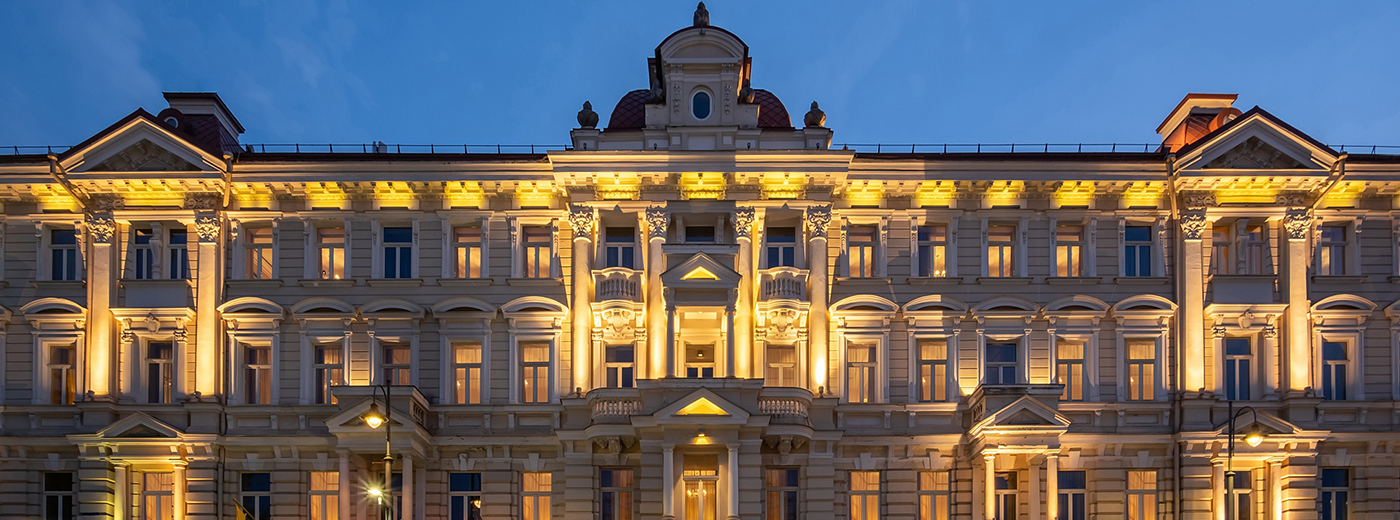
(700, 270)
(139, 426)
(1256, 140)
(1023, 416)
(702, 407)
(144, 156)
(350, 418)
(1269, 423)
(139, 144)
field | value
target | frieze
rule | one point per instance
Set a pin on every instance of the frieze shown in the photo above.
(1198, 199)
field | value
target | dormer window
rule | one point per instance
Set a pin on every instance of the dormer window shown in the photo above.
(700, 105)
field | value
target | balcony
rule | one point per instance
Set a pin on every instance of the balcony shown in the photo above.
(1243, 288)
(789, 403)
(617, 283)
(782, 283)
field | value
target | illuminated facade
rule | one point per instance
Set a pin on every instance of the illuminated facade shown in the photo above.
(699, 311)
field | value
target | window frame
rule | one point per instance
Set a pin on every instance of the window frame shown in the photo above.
(542, 499)
(456, 250)
(1129, 362)
(918, 379)
(178, 255)
(795, 368)
(1351, 233)
(1252, 358)
(1010, 492)
(608, 247)
(382, 249)
(247, 367)
(473, 479)
(523, 247)
(984, 365)
(518, 369)
(924, 251)
(72, 369)
(382, 342)
(1327, 495)
(163, 497)
(1066, 495)
(770, 247)
(630, 380)
(1143, 498)
(141, 256)
(483, 378)
(246, 251)
(329, 499)
(609, 486)
(865, 494)
(878, 372)
(868, 265)
(258, 496)
(49, 251)
(1138, 246)
(789, 492)
(315, 337)
(935, 495)
(174, 362)
(312, 233)
(1086, 246)
(55, 497)
(1016, 252)
(1083, 380)
(466, 327)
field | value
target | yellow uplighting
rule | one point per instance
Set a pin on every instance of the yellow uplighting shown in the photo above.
(463, 194)
(702, 185)
(535, 195)
(393, 193)
(702, 406)
(1344, 195)
(326, 194)
(783, 185)
(1251, 191)
(1002, 193)
(1143, 194)
(700, 273)
(865, 193)
(936, 193)
(1075, 193)
(621, 186)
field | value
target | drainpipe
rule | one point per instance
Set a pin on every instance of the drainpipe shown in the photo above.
(228, 179)
(56, 172)
(1339, 170)
(1175, 449)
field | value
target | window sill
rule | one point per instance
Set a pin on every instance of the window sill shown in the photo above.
(465, 282)
(395, 282)
(157, 282)
(1004, 280)
(863, 280)
(1142, 280)
(55, 285)
(1343, 280)
(1073, 280)
(935, 280)
(258, 283)
(534, 282)
(330, 284)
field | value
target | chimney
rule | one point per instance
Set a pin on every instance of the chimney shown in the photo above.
(1196, 116)
(211, 121)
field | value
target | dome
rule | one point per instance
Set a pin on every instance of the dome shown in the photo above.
(630, 112)
(771, 112)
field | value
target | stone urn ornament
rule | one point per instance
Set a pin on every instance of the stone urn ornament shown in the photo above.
(587, 118)
(815, 117)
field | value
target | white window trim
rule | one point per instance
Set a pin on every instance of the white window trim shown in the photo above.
(1090, 340)
(449, 253)
(799, 255)
(881, 339)
(376, 340)
(951, 363)
(447, 394)
(137, 359)
(1352, 230)
(950, 251)
(1088, 256)
(309, 340)
(378, 244)
(882, 244)
(240, 246)
(1160, 336)
(43, 344)
(1346, 326)
(1157, 240)
(1263, 379)
(517, 243)
(1020, 243)
(311, 247)
(237, 360)
(516, 338)
(43, 268)
(1021, 339)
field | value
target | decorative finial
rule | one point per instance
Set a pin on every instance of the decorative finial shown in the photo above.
(746, 93)
(702, 17)
(587, 118)
(815, 117)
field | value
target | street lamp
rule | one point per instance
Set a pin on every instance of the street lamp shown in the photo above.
(374, 419)
(1254, 437)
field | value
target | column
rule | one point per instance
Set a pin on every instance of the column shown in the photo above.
(343, 485)
(818, 217)
(122, 494)
(657, 323)
(408, 488)
(207, 285)
(1218, 504)
(668, 481)
(1052, 486)
(1298, 224)
(178, 482)
(1276, 490)
(1035, 488)
(744, 219)
(989, 470)
(1193, 296)
(733, 481)
(669, 343)
(101, 294)
(581, 219)
(731, 353)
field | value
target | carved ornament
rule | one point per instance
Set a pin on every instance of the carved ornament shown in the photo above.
(1193, 224)
(581, 220)
(207, 226)
(1198, 199)
(658, 219)
(743, 218)
(818, 217)
(1298, 223)
(102, 227)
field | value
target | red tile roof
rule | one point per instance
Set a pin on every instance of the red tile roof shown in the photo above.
(771, 112)
(630, 112)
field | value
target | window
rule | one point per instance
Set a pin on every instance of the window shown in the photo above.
(466, 247)
(1332, 250)
(1005, 484)
(615, 488)
(1334, 370)
(1220, 257)
(1252, 250)
(1137, 251)
(325, 491)
(158, 497)
(933, 250)
(865, 495)
(58, 496)
(782, 365)
(1142, 494)
(1238, 354)
(1072, 505)
(860, 251)
(1001, 250)
(179, 254)
(699, 234)
(1069, 369)
(933, 496)
(160, 372)
(257, 374)
(700, 105)
(534, 501)
(1243, 486)
(256, 495)
(619, 359)
(1333, 500)
(398, 252)
(142, 256)
(860, 372)
(782, 246)
(537, 251)
(534, 371)
(700, 479)
(700, 360)
(620, 247)
(63, 246)
(1001, 363)
(396, 363)
(62, 374)
(330, 243)
(1142, 366)
(329, 370)
(464, 496)
(257, 246)
(466, 373)
(933, 370)
(1069, 250)
(780, 493)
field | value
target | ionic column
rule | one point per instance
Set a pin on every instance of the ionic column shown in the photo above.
(733, 482)
(101, 293)
(744, 219)
(989, 474)
(179, 493)
(1193, 296)
(1298, 224)
(581, 219)
(343, 484)
(818, 217)
(408, 488)
(668, 482)
(1052, 486)
(657, 219)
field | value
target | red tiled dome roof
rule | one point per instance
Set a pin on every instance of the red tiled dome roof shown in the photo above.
(630, 112)
(771, 112)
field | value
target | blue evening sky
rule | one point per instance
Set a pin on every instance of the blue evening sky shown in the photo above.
(516, 71)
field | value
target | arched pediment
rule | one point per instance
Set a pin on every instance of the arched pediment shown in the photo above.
(936, 302)
(52, 306)
(1349, 302)
(865, 302)
(1078, 302)
(322, 305)
(1144, 302)
(462, 304)
(391, 305)
(526, 304)
(251, 304)
(1007, 303)
(703, 44)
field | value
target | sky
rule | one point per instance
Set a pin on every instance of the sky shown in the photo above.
(516, 72)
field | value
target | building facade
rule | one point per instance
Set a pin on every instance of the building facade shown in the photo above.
(700, 311)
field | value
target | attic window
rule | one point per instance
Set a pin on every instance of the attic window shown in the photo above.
(172, 122)
(700, 105)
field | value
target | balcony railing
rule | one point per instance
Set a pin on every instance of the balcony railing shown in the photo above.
(784, 401)
(617, 283)
(604, 408)
(782, 283)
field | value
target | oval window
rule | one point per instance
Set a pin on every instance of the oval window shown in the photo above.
(700, 105)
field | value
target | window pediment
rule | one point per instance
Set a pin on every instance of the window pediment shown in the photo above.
(700, 271)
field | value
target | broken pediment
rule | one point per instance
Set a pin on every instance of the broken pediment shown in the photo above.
(1255, 154)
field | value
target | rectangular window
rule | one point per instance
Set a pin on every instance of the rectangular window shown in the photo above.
(700, 360)
(1332, 250)
(1334, 370)
(1238, 377)
(398, 252)
(160, 372)
(1001, 250)
(1072, 494)
(58, 496)
(1137, 251)
(1001, 363)
(63, 246)
(1005, 484)
(142, 256)
(325, 491)
(257, 374)
(933, 250)
(780, 493)
(1069, 250)
(1142, 366)
(861, 364)
(782, 365)
(536, 248)
(464, 496)
(1142, 494)
(257, 245)
(699, 234)
(865, 495)
(179, 254)
(395, 363)
(860, 251)
(1243, 485)
(1220, 249)
(330, 244)
(1069, 369)
(934, 503)
(700, 480)
(782, 246)
(1333, 499)
(534, 499)
(534, 371)
(329, 370)
(62, 373)
(619, 365)
(466, 246)
(615, 490)
(256, 495)
(466, 373)
(1252, 250)
(933, 370)
(620, 247)
(158, 497)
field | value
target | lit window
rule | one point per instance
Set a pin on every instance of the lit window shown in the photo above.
(1334, 371)
(1221, 261)
(258, 248)
(464, 496)
(329, 370)
(536, 247)
(1333, 501)
(160, 372)
(142, 255)
(179, 254)
(615, 488)
(865, 495)
(1072, 495)
(535, 496)
(1142, 366)
(700, 360)
(1252, 250)
(861, 363)
(1069, 369)
(933, 250)
(1238, 377)
(63, 246)
(619, 361)
(1069, 250)
(330, 243)
(782, 246)
(1005, 487)
(620, 247)
(158, 497)
(782, 365)
(466, 244)
(700, 479)
(1001, 363)
(934, 503)
(466, 373)
(256, 495)
(700, 105)
(325, 492)
(933, 370)
(534, 371)
(780, 493)
(62, 374)
(58, 496)
(1001, 250)
(1332, 250)
(1142, 494)
(257, 374)
(1137, 251)
(396, 363)
(398, 252)
(1243, 485)
(860, 251)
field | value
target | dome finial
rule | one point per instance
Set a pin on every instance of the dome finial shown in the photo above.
(815, 117)
(587, 118)
(702, 16)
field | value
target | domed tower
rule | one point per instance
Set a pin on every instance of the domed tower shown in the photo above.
(700, 98)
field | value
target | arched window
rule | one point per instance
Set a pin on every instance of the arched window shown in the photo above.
(700, 105)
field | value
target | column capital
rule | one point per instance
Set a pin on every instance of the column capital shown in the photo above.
(581, 219)
(1193, 224)
(101, 226)
(743, 218)
(658, 218)
(1297, 222)
(207, 225)
(818, 218)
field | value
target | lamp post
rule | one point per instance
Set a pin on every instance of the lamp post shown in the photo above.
(1253, 438)
(373, 418)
